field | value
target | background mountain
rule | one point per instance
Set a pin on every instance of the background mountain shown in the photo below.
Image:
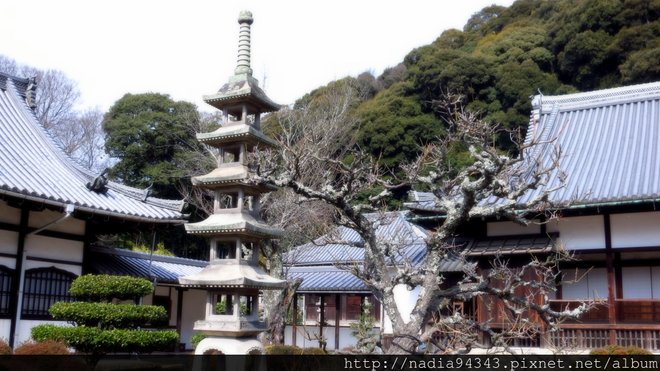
(501, 58)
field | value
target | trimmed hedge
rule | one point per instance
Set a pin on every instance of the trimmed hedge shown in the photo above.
(281, 349)
(95, 340)
(104, 287)
(108, 315)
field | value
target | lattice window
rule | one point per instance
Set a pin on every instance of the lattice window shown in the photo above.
(6, 278)
(42, 288)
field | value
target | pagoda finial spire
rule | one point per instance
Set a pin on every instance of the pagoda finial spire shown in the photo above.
(243, 66)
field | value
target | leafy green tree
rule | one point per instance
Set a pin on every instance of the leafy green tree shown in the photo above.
(104, 327)
(153, 137)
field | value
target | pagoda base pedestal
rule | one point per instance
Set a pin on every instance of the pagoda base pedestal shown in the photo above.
(229, 345)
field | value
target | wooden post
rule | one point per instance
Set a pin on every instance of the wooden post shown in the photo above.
(321, 320)
(337, 318)
(611, 280)
(294, 327)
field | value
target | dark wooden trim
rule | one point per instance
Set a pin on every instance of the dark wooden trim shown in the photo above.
(322, 319)
(618, 275)
(294, 327)
(611, 280)
(608, 326)
(60, 235)
(7, 255)
(337, 319)
(18, 273)
(9, 227)
(87, 246)
(179, 309)
(55, 261)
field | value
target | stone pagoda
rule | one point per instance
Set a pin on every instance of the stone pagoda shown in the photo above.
(233, 277)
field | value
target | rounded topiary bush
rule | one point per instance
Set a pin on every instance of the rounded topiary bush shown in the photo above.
(47, 347)
(5, 349)
(104, 287)
(104, 327)
(281, 349)
(619, 350)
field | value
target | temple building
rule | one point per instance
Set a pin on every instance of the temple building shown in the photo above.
(51, 211)
(233, 277)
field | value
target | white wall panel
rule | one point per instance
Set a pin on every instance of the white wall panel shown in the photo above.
(636, 282)
(635, 229)
(592, 285)
(8, 242)
(579, 233)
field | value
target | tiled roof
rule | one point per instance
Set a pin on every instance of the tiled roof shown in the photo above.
(166, 269)
(609, 142)
(33, 167)
(343, 244)
(512, 245)
(326, 278)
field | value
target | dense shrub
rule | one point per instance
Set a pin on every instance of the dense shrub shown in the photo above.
(105, 287)
(109, 315)
(620, 350)
(280, 349)
(95, 340)
(196, 339)
(47, 347)
(5, 349)
(106, 327)
(314, 352)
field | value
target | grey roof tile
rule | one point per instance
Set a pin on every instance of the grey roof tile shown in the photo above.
(33, 167)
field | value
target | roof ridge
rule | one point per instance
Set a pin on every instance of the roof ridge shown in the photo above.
(603, 96)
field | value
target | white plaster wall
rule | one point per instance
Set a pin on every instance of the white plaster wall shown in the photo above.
(23, 330)
(638, 282)
(579, 233)
(593, 285)
(635, 229)
(510, 228)
(346, 338)
(8, 242)
(405, 301)
(655, 282)
(194, 305)
(5, 328)
(288, 335)
(9, 214)
(54, 248)
(69, 225)
(329, 335)
(75, 269)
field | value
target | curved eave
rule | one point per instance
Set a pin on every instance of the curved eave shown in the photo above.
(244, 232)
(249, 138)
(175, 218)
(218, 183)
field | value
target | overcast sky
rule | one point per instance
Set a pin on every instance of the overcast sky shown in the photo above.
(188, 48)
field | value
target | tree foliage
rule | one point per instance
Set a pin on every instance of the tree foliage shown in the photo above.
(502, 56)
(152, 136)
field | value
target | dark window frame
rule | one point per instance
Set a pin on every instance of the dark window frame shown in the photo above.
(42, 288)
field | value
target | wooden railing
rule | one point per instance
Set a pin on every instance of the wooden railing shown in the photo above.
(638, 311)
(597, 314)
(627, 310)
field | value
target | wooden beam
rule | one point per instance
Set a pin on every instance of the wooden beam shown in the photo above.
(611, 279)
(18, 275)
(337, 318)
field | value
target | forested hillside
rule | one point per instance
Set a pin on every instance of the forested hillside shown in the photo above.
(501, 58)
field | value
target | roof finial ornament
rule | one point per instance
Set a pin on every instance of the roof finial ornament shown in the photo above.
(243, 66)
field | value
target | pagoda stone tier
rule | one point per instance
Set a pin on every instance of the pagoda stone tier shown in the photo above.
(233, 278)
